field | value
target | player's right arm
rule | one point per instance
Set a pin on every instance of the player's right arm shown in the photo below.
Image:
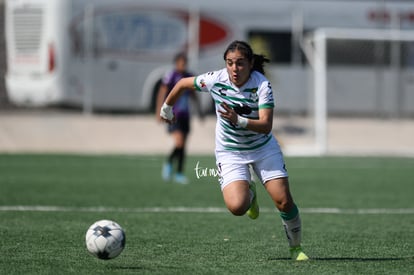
(182, 85)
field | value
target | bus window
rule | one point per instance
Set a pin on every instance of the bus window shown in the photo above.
(133, 32)
(277, 46)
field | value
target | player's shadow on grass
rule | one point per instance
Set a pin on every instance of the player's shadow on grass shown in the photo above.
(347, 259)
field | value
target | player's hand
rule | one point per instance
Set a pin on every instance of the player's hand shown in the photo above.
(166, 113)
(228, 113)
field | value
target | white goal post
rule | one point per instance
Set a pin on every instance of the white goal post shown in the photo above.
(315, 48)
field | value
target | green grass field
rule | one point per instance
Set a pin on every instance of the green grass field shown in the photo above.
(358, 217)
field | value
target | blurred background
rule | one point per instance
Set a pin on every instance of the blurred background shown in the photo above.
(83, 75)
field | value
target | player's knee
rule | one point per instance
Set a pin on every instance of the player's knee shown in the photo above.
(237, 209)
(284, 205)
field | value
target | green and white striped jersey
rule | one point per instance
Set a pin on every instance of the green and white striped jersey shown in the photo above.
(246, 101)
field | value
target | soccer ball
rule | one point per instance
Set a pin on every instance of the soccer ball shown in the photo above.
(105, 239)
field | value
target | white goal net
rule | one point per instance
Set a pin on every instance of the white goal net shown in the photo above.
(362, 92)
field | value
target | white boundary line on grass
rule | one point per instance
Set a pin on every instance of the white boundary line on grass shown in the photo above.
(45, 208)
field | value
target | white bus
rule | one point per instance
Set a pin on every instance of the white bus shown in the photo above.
(110, 54)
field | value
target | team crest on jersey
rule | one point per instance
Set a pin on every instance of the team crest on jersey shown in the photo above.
(253, 94)
(202, 83)
(254, 97)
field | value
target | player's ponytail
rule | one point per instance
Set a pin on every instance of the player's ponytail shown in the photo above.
(259, 61)
(246, 50)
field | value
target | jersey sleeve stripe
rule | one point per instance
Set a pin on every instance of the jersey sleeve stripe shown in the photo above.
(195, 84)
(267, 106)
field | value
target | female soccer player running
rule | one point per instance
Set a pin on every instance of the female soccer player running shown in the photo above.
(244, 107)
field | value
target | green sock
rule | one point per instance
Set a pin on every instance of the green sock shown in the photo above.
(291, 214)
(293, 226)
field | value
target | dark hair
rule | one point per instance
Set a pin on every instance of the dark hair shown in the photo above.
(179, 56)
(243, 47)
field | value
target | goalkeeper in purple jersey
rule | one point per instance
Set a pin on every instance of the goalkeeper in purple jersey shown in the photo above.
(180, 129)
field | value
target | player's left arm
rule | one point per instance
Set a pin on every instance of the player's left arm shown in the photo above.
(262, 125)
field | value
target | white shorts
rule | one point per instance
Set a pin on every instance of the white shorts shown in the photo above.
(267, 163)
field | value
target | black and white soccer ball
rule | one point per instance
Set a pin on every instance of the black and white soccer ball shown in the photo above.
(105, 239)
